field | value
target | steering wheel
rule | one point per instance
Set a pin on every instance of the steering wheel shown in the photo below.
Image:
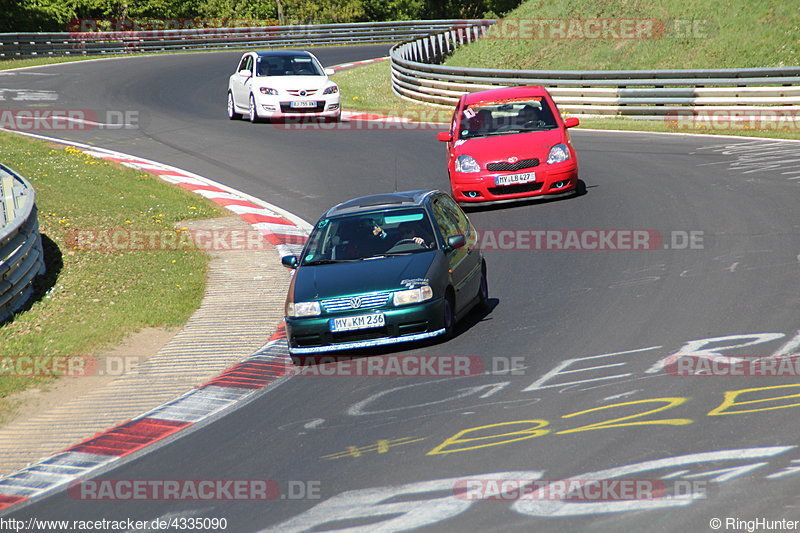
(534, 124)
(403, 246)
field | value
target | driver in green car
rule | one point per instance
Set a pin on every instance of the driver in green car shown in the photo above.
(408, 232)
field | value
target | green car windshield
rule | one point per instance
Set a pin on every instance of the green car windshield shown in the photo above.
(369, 236)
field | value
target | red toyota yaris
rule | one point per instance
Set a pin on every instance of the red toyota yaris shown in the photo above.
(509, 144)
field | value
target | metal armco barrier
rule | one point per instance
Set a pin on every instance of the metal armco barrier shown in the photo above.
(24, 45)
(21, 255)
(418, 75)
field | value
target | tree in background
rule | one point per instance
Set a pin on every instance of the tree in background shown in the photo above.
(444, 9)
(240, 9)
(325, 12)
(394, 9)
(54, 15)
(35, 15)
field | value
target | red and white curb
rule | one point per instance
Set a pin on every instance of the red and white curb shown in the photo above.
(269, 366)
(284, 230)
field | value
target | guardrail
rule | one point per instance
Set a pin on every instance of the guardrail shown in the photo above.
(417, 75)
(21, 255)
(23, 45)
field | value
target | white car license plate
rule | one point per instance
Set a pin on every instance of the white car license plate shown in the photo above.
(350, 323)
(513, 179)
(303, 103)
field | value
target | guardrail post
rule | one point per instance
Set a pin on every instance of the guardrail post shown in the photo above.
(9, 204)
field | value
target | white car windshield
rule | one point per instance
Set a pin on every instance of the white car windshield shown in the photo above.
(287, 65)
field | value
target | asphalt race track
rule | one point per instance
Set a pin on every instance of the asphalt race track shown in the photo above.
(399, 445)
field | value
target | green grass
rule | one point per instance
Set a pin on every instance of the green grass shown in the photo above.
(89, 298)
(750, 33)
(369, 88)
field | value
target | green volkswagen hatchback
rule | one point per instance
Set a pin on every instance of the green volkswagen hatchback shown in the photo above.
(384, 269)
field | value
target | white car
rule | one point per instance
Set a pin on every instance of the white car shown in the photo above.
(282, 84)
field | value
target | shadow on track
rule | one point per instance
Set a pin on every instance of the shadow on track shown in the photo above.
(468, 321)
(580, 190)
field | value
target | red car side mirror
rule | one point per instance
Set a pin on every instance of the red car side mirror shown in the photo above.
(444, 136)
(571, 122)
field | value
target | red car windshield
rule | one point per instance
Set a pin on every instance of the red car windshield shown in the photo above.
(503, 117)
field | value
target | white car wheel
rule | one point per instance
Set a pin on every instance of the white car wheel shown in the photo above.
(253, 115)
(232, 114)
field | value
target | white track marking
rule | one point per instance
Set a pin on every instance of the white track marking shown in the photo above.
(559, 370)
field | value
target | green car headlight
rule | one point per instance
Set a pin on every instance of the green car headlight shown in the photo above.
(413, 296)
(298, 309)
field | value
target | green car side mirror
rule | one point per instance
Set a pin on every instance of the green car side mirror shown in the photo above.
(289, 261)
(454, 242)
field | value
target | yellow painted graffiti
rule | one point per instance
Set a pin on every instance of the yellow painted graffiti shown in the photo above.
(380, 446)
(507, 438)
(534, 428)
(669, 403)
(730, 400)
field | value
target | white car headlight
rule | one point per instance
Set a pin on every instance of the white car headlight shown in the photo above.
(267, 90)
(298, 309)
(333, 89)
(465, 163)
(413, 296)
(558, 154)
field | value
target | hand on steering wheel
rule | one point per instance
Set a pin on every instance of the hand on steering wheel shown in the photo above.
(416, 240)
